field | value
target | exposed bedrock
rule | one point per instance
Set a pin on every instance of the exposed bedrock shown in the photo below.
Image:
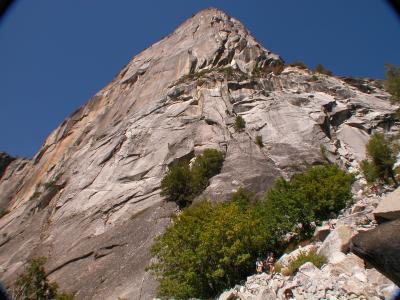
(90, 199)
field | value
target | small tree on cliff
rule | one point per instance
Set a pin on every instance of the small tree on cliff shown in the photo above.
(381, 159)
(33, 284)
(392, 83)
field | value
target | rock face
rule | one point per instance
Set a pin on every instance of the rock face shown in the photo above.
(389, 207)
(89, 200)
(380, 247)
(336, 243)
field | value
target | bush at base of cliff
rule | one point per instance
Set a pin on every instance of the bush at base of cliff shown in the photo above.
(177, 184)
(33, 284)
(207, 249)
(182, 183)
(308, 197)
(206, 165)
(210, 247)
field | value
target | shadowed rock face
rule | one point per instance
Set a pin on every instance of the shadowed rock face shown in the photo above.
(5, 160)
(381, 248)
(89, 200)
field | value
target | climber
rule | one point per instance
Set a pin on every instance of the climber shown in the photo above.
(259, 266)
(270, 263)
(288, 294)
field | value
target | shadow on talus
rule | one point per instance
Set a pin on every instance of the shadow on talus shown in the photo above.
(380, 247)
(4, 7)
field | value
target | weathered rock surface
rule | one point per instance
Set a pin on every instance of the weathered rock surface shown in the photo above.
(380, 247)
(89, 200)
(389, 207)
(336, 243)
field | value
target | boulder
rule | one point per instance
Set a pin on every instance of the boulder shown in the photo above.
(265, 293)
(389, 207)
(321, 232)
(349, 265)
(285, 259)
(310, 270)
(353, 286)
(336, 243)
(228, 295)
(381, 248)
(358, 207)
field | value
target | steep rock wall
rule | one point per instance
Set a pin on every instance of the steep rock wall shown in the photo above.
(89, 200)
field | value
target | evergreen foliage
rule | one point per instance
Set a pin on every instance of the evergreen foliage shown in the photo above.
(369, 171)
(182, 183)
(308, 197)
(33, 284)
(177, 184)
(392, 83)
(321, 69)
(206, 165)
(210, 247)
(313, 78)
(382, 157)
(298, 64)
(240, 124)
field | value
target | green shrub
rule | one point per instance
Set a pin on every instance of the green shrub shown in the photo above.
(181, 184)
(243, 197)
(392, 82)
(321, 70)
(209, 248)
(308, 197)
(298, 64)
(212, 247)
(34, 284)
(259, 141)
(313, 78)
(301, 259)
(369, 171)
(382, 157)
(177, 184)
(240, 124)
(323, 151)
(206, 165)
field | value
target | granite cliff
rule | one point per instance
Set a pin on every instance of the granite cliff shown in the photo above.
(90, 199)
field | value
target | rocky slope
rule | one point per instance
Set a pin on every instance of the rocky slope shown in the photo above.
(89, 200)
(345, 275)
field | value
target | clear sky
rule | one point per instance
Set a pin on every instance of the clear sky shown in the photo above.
(54, 55)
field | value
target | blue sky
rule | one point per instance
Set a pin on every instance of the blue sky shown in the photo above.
(54, 55)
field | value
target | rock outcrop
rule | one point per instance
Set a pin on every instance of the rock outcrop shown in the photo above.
(389, 208)
(380, 247)
(89, 200)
